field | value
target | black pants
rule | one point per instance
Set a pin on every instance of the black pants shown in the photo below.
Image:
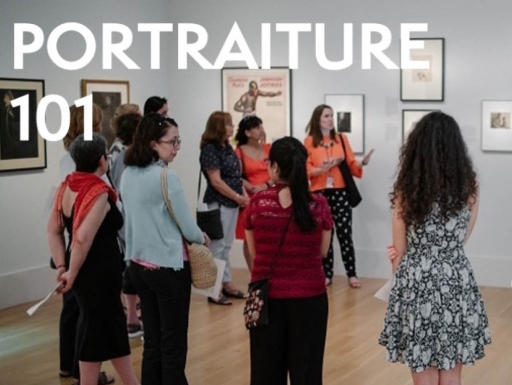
(341, 212)
(67, 334)
(292, 344)
(165, 301)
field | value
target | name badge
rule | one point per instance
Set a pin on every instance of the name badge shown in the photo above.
(330, 182)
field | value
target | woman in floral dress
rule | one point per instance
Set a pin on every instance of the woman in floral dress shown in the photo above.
(436, 320)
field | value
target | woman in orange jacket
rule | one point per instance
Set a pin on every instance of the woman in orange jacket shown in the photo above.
(325, 153)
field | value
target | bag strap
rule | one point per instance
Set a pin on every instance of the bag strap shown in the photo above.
(199, 185)
(165, 195)
(343, 145)
(271, 271)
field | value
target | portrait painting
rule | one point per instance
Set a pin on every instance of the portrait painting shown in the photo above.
(108, 95)
(265, 93)
(17, 154)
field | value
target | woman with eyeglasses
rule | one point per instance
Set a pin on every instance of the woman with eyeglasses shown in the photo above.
(253, 152)
(90, 265)
(224, 190)
(155, 248)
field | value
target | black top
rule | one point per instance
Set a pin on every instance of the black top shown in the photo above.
(224, 159)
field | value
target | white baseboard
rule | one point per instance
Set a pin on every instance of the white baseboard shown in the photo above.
(493, 271)
(25, 286)
(29, 285)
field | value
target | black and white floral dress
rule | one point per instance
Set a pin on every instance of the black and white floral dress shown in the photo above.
(436, 316)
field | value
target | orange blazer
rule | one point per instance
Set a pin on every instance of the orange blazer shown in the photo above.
(317, 155)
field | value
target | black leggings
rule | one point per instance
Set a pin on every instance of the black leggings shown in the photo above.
(341, 212)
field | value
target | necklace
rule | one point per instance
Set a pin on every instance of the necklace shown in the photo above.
(327, 145)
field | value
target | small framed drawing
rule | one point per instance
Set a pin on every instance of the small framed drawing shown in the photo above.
(265, 93)
(108, 94)
(348, 114)
(15, 154)
(496, 126)
(409, 120)
(426, 85)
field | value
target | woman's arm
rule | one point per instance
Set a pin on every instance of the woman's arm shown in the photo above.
(221, 186)
(55, 234)
(355, 167)
(399, 237)
(326, 242)
(473, 206)
(187, 224)
(84, 238)
(249, 238)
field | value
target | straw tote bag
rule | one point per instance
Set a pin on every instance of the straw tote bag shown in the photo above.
(202, 266)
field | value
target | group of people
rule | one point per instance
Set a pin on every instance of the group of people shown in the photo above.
(284, 200)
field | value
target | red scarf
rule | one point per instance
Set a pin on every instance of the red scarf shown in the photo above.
(89, 187)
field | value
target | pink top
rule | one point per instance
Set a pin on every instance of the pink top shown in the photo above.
(150, 265)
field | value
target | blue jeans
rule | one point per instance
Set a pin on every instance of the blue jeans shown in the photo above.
(165, 303)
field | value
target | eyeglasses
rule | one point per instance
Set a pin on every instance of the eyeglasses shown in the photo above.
(174, 142)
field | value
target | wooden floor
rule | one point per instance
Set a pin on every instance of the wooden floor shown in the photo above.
(219, 350)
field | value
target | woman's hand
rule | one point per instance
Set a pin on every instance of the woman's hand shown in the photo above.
(367, 158)
(242, 200)
(60, 270)
(67, 280)
(391, 252)
(206, 240)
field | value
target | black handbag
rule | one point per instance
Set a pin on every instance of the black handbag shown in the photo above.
(354, 197)
(256, 304)
(209, 221)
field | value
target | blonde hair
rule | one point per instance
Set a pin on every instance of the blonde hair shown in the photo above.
(76, 124)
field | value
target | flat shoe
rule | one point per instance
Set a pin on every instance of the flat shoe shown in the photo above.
(65, 373)
(354, 282)
(103, 379)
(233, 294)
(221, 301)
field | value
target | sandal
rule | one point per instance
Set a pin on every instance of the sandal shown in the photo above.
(354, 282)
(223, 300)
(103, 379)
(233, 294)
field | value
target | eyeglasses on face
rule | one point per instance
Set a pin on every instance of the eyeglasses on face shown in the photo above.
(174, 142)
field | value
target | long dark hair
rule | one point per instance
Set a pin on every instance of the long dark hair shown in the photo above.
(247, 123)
(152, 127)
(153, 104)
(290, 156)
(434, 167)
(313, 127)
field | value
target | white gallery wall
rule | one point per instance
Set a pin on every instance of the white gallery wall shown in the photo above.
(477, 67)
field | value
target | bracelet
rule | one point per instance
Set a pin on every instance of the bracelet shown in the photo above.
(59, 266)
(236, 197)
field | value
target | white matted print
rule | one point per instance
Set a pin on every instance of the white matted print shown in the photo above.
(425, 84)
(496, 128)
(409, 120)
(108, 95)
(265, 93)
(348, 114)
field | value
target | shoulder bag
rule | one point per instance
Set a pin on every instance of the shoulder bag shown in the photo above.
(209, 221)
(354, 197)
(256, 304)
(202, 266)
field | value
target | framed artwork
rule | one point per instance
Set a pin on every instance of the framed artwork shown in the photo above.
(265, 93)
(348, 114)
(17, 155)
(108, 94)
(496, 126)
(426, 85)
(409, 120)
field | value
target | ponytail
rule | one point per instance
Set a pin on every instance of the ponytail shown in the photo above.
(299, 190)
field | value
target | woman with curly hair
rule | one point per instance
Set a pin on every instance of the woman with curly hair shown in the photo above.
(436, 320)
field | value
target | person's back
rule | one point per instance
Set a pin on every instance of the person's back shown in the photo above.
(298, 268)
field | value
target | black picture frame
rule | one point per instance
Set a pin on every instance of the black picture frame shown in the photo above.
(15, 154)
